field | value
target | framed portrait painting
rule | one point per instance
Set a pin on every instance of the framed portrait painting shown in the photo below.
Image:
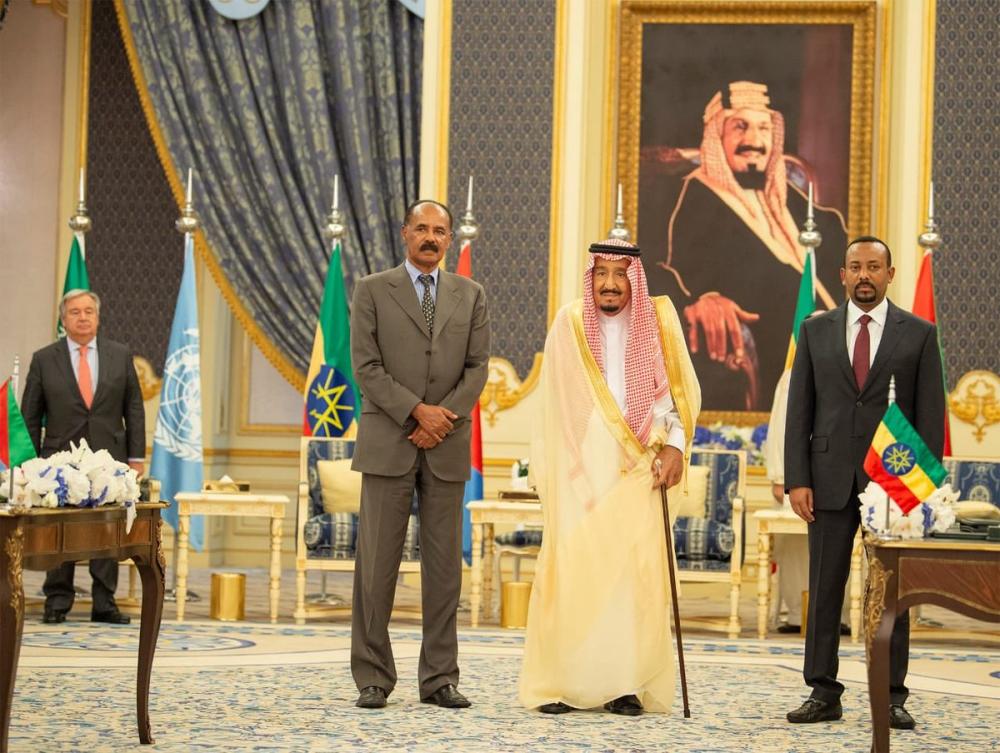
(729, 112)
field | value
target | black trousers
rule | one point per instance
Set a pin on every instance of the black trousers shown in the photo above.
(831, 538)
(59, 591)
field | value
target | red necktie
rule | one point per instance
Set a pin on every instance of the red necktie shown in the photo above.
(83, 377)
(862, 352)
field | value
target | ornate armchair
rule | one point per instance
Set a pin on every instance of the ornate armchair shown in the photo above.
(327, 518)
(710, 546)
(975, 480)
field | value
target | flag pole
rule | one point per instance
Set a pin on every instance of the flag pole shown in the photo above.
(673, 593)
(186, 225)
(888, 499)
(14, 379)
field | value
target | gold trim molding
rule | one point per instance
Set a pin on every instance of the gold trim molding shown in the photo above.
(149, 383)
(284, 366)
(504, 389)
(974, 401)
(245, 425)
(59, 7)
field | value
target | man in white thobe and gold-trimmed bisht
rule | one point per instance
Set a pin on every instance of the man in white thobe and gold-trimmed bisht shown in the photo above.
(619, 393)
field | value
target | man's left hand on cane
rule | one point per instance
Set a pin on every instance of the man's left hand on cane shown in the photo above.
(668, 466)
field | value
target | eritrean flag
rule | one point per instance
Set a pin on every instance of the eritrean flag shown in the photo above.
(331, 396)
(923, 306)
(805, 303)
(899, 461)
(474, 486)
(15, 442)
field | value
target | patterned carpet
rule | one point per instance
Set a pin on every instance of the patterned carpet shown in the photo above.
(247, 687)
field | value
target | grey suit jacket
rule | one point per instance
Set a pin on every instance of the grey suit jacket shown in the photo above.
(397, 364)
(116, 420)
(830, 424)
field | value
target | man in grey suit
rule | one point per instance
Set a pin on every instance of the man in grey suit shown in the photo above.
(837, 397)
(83, 387)
(420, 344)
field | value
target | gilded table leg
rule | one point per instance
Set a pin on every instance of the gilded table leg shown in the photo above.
(477, 572)
(152, 569)
(488, 558)
(763, 578)
(275, 566)
(11, 622)
(856, 591)
(880, 616)
(183, 537)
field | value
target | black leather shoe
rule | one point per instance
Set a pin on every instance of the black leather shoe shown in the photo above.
(899, 718)
(113, 616)
(555, 708)
(815, 710)
(448, 697)
(372, 697)
(786, 628)
(53, 616)
(845, 629)
(627, 705)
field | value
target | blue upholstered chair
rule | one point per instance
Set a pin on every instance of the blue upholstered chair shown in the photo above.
(326, 541)
(974, 480)
(710, 548)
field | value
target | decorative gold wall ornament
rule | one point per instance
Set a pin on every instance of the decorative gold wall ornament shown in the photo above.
(878, 578)
(974, 401)
(149, 383)
(59, 7)
(14, 548)
(504, 389)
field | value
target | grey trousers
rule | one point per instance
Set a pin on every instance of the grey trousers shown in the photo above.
(385, 511)
(59, 592)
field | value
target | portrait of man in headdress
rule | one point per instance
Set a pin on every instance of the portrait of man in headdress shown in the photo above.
(736, 122)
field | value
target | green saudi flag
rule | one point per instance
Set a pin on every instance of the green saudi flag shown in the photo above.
(76, 274)
(805, 303)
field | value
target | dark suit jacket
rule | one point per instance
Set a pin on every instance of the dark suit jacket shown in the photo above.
(830, 423)
(116, 420)
(397, 365)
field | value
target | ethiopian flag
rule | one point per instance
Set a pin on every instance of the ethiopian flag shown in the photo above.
(805, 303)
(899, 461)
(331, 396)
(76, 273)
(15, 442)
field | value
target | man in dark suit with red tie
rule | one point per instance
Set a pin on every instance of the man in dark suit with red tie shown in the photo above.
(837, 397)
(82, 387)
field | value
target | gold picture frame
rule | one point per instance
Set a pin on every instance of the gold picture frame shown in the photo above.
(671, 34)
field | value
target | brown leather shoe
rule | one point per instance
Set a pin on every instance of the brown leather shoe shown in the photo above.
(815, 710)
(899, 718)
(372, 697)
(448, 697)
(627, 705)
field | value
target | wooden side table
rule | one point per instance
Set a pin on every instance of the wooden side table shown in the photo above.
(42, 539)
(786, 522)
(963, 576)
(232, 504)
(483, 515)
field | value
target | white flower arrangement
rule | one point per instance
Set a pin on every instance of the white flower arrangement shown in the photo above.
(936, 513)
(78, 477)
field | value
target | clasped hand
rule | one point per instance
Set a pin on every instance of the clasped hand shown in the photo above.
(434, 424)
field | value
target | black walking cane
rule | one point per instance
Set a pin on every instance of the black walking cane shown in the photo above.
(673, 592)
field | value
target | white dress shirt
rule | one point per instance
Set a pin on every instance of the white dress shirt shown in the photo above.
(74, 357)
(875, 327)
(614, 336)
(419, 286)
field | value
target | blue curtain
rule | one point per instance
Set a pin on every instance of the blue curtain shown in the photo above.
(267, 110)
